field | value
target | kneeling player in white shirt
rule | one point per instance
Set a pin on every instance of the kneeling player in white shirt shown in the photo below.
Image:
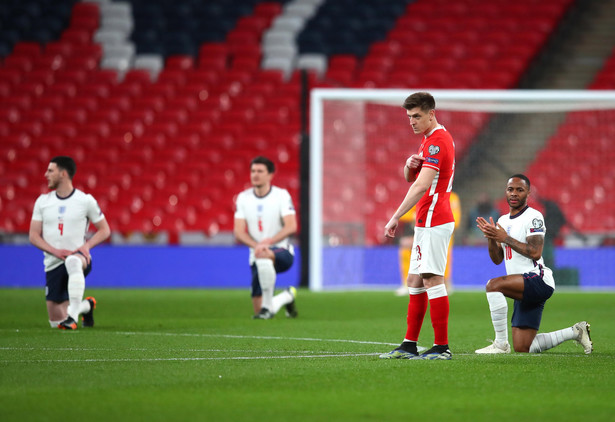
(59, 224)
(518, 239)
(264, 220)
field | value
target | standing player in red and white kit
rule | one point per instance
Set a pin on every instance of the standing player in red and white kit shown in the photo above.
(431, 173)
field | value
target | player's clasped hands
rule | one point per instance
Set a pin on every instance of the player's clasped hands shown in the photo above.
(491, 229)
(61, 253)
(262, 249)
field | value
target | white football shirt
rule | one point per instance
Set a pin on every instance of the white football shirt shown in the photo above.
(65, 221)
(529, 222)
(264, 215)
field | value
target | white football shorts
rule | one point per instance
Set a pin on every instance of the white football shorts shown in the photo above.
(430, 249)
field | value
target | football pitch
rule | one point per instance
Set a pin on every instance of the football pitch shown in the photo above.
(159, 355)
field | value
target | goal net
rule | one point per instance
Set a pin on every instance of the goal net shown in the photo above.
(360, 139)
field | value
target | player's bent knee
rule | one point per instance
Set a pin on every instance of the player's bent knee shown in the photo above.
(266, 272)
(263, 263)
(264, 254)
(73, 264)
(489, 286)
(493, 285)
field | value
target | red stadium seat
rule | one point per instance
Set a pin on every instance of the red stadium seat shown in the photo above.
(179, 62)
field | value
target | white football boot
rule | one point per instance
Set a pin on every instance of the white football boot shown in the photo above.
(494, 348)
(582, 329)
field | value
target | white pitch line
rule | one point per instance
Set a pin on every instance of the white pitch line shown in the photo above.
(188, 359)
(258, 337)
(134, 349)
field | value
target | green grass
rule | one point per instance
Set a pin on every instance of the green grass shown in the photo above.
(160, 355)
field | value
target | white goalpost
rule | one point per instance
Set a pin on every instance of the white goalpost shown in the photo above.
(359, 140)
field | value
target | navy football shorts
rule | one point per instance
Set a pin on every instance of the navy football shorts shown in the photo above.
(528, 311)
(56, 285)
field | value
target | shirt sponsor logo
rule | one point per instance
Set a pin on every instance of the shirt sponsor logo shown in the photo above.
(433, 149)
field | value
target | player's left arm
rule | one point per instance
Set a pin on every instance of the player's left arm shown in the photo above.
(532, 249)
(289, 227)
(103, 231)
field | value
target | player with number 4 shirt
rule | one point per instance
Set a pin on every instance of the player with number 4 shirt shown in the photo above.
(59, 224)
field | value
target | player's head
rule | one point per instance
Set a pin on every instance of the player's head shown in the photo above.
(423, 100)
(421, 108)
(264, 160)
(60, 171)
(261, 171)
(66, 163)
(517, 191)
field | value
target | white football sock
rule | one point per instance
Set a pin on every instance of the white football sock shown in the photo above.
(499, 314)
(84, 307)
(266, 278)
(280, 300)
(546, 341)
(437, 291)
(54, 324)
(76, 285)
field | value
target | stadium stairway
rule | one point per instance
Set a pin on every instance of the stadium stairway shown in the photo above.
(582, 192)
(577, 56)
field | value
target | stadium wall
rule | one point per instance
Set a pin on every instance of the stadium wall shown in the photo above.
(227, 267)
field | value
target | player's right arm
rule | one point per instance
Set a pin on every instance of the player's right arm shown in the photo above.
(242, 235)
(416, 191)
(495, 248)
(413, 167)
(36, 238)
(496, 253)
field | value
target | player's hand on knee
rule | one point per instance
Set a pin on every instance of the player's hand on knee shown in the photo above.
(85, 251)
(61, 253)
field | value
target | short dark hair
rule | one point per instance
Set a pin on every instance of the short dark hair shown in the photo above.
(65, 163)
(424, 100)
(522, 177)
(264, 160)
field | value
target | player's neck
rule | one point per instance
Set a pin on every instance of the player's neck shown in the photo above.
(515, 211)
(432, 127)
(64, 189)
(261, 191)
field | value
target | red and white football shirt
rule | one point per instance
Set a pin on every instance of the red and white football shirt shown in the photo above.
(434, 208)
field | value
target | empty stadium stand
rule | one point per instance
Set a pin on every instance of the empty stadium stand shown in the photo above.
(164, 103)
